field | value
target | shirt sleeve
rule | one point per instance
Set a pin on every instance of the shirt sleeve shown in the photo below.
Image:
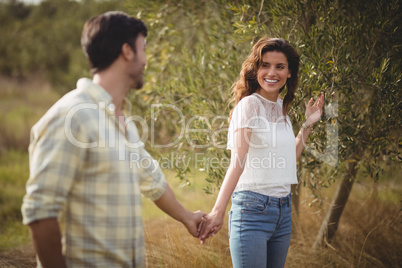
(246, 114)
(54, 159)
(152, 180)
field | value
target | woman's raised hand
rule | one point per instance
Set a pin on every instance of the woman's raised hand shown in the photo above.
(314, 111)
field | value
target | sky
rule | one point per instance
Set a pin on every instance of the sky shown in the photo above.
(31, 1)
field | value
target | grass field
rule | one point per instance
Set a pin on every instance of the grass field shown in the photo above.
(369, 234)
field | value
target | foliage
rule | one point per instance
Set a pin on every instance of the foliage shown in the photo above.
(351, 50)
(21, 105)
(13, 176)
(45, 38)
(193, 60)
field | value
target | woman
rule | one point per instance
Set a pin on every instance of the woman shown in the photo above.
(263, 160)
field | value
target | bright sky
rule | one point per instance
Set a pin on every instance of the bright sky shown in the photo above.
(30, 1)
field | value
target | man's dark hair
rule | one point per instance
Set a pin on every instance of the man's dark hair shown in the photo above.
(104, 35)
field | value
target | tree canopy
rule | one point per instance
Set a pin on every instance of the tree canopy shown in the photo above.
(351, 50)
(44, 39)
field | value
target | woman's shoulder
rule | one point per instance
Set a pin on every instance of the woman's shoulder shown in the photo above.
(249, 100)
(248, 103)
(248, 107)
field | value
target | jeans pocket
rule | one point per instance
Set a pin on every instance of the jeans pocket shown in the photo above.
(253, 206)
(249, 204)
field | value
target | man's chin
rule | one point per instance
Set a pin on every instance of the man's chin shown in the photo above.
(138, 86)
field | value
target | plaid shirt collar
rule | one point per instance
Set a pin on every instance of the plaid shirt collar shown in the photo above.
(100, 95)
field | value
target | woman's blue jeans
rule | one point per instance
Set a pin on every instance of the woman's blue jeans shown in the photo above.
(259, 230)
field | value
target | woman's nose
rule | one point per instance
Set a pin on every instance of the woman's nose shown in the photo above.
(271, 71)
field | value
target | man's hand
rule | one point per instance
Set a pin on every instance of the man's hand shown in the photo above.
(169, 204)
(192, 221)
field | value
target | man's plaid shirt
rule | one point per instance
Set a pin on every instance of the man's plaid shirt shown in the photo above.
(89, 172)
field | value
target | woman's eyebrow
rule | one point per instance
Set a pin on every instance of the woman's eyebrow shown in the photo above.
(266, 62)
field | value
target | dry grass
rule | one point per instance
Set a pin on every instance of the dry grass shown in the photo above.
(369, 236)
(169, 245)
(23, 257)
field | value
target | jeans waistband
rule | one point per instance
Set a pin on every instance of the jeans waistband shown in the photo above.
(274, 201)
(283, 201)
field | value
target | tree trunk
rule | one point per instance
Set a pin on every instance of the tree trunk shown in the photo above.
(331, 220)
(295, 189)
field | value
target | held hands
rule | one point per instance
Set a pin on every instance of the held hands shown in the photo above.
(210, 225)
(192, 221)
(314, 111)
(202, 225)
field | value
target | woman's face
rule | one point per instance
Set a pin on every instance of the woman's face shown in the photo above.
(273, 74)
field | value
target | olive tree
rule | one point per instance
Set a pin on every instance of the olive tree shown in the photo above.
(351, 50)
(193, 61)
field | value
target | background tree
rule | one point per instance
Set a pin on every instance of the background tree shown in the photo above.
(44, 40)
(349, 50)
(193, 60)
(195, 51)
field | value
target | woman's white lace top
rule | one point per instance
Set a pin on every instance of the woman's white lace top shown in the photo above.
(271, 158)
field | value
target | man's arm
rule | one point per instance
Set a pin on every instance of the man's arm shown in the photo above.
(171, 206)
(154, 186)
(53, 162)
(46, 239)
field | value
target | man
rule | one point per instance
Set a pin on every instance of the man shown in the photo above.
(88, 166)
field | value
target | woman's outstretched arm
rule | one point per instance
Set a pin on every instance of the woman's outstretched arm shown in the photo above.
(214, 220)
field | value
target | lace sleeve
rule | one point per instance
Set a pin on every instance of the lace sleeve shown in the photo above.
(246, 114)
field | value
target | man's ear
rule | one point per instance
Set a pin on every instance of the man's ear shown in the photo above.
(127, 52)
